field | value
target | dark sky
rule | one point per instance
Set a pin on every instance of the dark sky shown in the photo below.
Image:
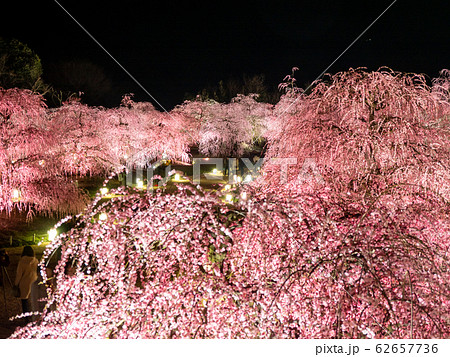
(173, 48)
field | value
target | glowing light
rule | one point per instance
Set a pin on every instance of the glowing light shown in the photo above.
(139, 183)
(229, 197)
(177, 177)
(52, 234)
(239, 179)
(15, 194)
(215, 171)
(103, 191)
(227, 187)
(103, 216)
(206, 159)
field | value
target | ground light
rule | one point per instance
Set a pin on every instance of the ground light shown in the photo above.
(177, 177)
(103, 191)
(103, 216)
(16, 195)
(237, 179)
(214, 174)
(229, 197)
(139, 183)
(52, 233)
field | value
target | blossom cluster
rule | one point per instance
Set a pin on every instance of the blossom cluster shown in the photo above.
(277, 265)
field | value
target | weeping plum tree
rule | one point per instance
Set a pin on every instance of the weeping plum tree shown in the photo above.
(165, 255)
(30, 175)
(367, 131)
(81, 145)
(441, 85)
(42, 149)
(255, 114)
(227, 130)
(140, 133)
(380, 147)
(95, 140)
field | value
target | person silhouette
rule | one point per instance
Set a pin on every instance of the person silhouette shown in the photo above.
(26, 275)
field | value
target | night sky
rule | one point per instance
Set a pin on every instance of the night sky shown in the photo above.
(174, 48)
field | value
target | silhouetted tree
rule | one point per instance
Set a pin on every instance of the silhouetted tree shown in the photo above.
(19, 66)
(225, 91)
(81, 76)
